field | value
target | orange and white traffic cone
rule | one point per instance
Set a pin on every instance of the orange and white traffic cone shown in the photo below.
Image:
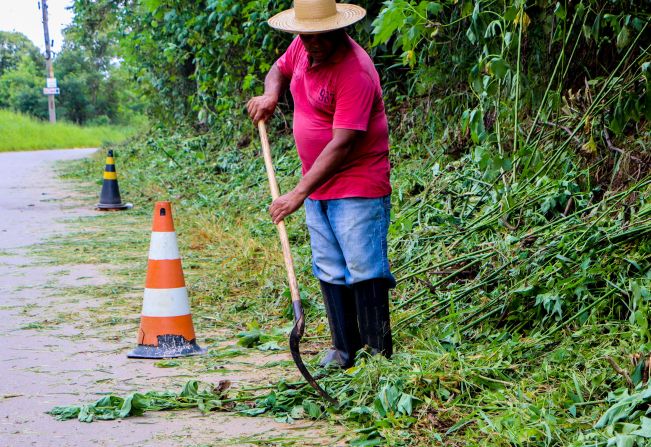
(166, 328)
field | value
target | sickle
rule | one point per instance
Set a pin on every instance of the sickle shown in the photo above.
(299, 317)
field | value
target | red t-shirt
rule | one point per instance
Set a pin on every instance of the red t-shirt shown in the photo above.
(341, 93)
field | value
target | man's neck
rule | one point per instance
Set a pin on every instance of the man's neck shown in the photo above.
(339, 46)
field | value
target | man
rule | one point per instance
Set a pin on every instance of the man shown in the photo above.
(341, 134)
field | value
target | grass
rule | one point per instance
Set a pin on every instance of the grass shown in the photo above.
(484, 351)
(22, 132)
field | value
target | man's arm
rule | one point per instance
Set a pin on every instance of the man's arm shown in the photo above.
(262, 107)
(325, 166)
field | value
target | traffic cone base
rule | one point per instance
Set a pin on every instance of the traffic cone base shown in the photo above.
(169, 346)
(178, 339)
(109, 198)
(120, 207)
(166, 328)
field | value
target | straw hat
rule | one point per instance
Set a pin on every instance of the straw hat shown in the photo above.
(316, 16)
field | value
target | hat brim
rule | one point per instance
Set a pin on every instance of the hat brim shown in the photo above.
(347, 14)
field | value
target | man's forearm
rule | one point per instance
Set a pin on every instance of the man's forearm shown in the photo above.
(275, 83)
(325, 166)
(333, 156)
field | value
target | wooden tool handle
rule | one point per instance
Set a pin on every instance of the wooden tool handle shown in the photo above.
(282, 231)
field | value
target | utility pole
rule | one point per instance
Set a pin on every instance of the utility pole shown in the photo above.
(51, 89)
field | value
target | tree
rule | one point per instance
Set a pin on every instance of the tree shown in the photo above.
(13, 47)
(21, 88)
(89, 83)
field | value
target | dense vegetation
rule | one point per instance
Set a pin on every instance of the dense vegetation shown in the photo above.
(522, 208)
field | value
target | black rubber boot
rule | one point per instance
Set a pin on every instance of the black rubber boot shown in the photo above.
(342, 317)
(372, 300)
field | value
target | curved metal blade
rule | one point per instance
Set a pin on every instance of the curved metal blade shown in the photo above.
(294, 340)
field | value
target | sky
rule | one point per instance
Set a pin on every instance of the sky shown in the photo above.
(25, 17)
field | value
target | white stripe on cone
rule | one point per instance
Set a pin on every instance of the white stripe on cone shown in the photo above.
(165, 302)
(163, 246)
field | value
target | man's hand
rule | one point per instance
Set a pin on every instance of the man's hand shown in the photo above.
(285, 205)
(326, 165)
(261, 107)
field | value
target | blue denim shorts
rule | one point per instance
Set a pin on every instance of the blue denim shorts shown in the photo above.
(349, 239)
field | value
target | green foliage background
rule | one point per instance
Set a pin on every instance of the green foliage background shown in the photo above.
(202, 59)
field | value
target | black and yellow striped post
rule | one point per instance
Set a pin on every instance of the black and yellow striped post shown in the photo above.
(109, 198)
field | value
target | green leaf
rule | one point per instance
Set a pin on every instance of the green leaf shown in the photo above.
(491, 29)
(405, 405)
(253, 411)
(510, 14)
(470, 34)
(623, 38)
(434, 7)
(498, 67)
(477, 131)
(645, 429)
(297, 412)
(64, 413)
(190, 389)
(390, 19)
(360, 411)
(249, 339)
(313, 410)
(366, 442)
(379, 408)
(286, 419)
(220, 353)
(85, 415)
(524, 290)
(624, 441)
(134, 405)
(167, 364)
(270, 346)
(637, 375)
(465, 120)
(388, 398)
(572, 410)
(151, 5)
(624, 405)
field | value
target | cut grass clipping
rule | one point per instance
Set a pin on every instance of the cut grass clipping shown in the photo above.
(505, 310)
(521, 313)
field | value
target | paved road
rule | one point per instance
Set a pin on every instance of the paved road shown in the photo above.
(31, 198)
